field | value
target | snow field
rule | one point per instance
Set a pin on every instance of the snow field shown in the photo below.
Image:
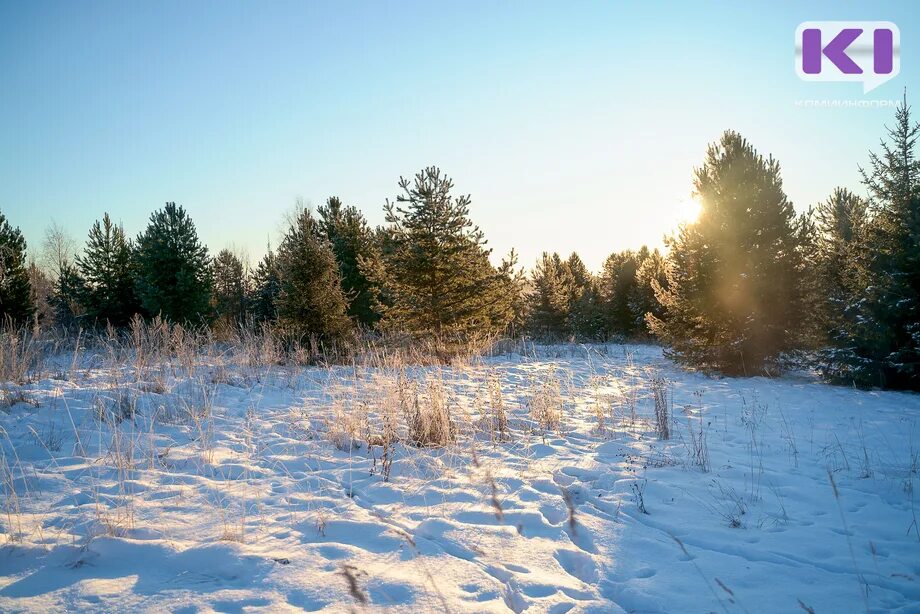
(530, 482)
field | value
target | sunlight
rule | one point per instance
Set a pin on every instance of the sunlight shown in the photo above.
(687, 210)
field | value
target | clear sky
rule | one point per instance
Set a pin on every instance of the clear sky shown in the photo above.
(574, 126)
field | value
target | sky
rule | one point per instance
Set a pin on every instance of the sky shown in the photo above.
(574, 126)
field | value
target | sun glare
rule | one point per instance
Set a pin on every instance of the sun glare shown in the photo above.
(688, 210)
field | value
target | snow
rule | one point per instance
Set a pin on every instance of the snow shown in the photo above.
(233, 488)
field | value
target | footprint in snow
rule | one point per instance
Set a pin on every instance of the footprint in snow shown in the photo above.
(577, 564)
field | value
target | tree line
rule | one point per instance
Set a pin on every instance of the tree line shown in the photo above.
(744, 288)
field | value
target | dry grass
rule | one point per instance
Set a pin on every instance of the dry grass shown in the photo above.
(385, 406)
(545, 404)
(663, 404)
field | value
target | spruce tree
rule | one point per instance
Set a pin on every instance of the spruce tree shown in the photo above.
(15, 291)
(732, 302)
(352, 240)
(106, 273)
(881, 342)
(435, 270)
(231, 288)
(310, 301)
(173, 268)
(840, 223)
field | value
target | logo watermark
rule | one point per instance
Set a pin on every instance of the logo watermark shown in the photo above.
(864, 51)
(846, 103)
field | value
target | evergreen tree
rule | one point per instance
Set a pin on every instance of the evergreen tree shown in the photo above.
(651, 277)
(584, 309)
(15, 291)
(352, 240)
(880, 344)
(67, 298)
(550, 299)
(106, 287)
(840, 223)
(266, 286)
(231, 288)
(619, 287)
(513, 290)
(435, 270)
(732, 301)
(812, 320)
(310, 301)
(173, 268)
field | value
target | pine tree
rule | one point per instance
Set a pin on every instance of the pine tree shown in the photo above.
(732, 301)
(881, 342)
(352, 240)
(651, 276)
(585, 312)
(231, 289)
(810, 333)
(266, 286)
(310, 301)
(513, 291)
(173, 268)
(549, 314)
(618, 288)
(435, 270)
(15, 291)
(106, 288)
(66, 301)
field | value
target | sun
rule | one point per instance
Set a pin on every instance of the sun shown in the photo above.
(688, 210)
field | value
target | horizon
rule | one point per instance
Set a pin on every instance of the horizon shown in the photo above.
(565, 138)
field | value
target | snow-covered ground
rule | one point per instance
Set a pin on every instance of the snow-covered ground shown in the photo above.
(237, 488)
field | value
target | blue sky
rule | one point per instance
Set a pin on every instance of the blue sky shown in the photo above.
(574, 126)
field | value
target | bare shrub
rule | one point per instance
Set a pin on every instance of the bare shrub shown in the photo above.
(639, 495)
(733, 509)
(382, 422)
